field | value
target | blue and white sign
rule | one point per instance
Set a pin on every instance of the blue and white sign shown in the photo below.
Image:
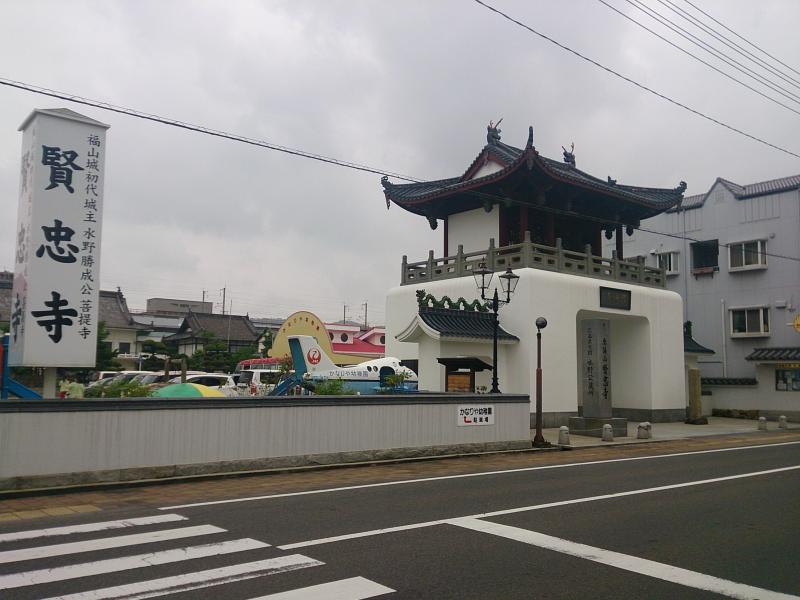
(57, 265)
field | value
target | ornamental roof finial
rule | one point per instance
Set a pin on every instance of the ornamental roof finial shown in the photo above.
(493, 132)
(569, 155)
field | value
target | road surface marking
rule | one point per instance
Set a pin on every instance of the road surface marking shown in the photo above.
(509, 511)
(465, 475)
(89, 527)
(626, 562)
(198, 580)
(124, 563)
(10, 556)
(354, 588)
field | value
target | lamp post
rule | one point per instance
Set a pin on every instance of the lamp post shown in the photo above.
(508, 281)
(538, 439)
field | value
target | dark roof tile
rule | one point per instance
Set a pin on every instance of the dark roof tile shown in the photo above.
(450, 322)
(775, 354)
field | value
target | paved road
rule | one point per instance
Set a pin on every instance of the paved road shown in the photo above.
(704, 524)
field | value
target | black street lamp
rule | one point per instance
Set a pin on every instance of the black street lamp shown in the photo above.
(508, 281)
(538, 439)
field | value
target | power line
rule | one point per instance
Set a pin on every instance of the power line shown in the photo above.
(364, 168)
(687, 16)
(637, 84)
(715, 52)
(199, 128)
(697, 58)
(740, 37)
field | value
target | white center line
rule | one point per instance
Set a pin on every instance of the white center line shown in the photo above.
(89, 527)
(626, 562)
(354, 588)
(104, 543)
(124, 563)
(509, 511)
(198, 580)
(466, 475)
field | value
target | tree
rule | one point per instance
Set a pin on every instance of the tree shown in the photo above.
(105, 355)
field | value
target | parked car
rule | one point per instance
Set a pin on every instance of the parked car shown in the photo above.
(118, 377)
(221, 381)
(159, 379)
(257, 382)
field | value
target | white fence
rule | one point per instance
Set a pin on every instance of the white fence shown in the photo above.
(55, 443)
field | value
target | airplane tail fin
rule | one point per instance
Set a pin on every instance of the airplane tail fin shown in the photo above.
(308, 356)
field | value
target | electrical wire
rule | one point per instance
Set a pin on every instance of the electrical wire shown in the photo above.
(697, 58)
(687, 16)
(636, 83)
(200, 129)
(740, 37)
(715, 52)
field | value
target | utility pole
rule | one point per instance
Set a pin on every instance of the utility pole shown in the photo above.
(365, 314)
(230, 316)
(344, 314)
(223, 299)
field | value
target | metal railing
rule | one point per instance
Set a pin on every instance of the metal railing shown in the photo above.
(533, 256)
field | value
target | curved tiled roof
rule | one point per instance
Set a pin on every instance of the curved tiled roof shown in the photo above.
(412, 195)
(451, 322)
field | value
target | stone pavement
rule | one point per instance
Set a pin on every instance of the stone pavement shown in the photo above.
(671, 431)
(668, 437)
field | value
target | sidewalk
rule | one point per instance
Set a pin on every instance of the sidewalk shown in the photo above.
(670, 431)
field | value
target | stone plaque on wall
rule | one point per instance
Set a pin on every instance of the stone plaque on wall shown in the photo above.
(596, 365)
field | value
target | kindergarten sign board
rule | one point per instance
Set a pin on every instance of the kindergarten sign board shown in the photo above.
(476, 414)
(54, 301)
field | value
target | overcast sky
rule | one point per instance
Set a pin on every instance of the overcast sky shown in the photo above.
(403, 86)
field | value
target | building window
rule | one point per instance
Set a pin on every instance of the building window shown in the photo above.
(749, 322)
(705, 257)
(383, 339)
(748, 255)
(668, 261)
(330, 335)
(787, 380)
(124, 347)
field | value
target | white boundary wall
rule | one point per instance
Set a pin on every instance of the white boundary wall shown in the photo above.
(44, 441)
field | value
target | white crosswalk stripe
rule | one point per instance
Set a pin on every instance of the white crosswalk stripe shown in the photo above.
(105, 543)
(124, 563)
(353, 588)
(198, 580)
(89, 527)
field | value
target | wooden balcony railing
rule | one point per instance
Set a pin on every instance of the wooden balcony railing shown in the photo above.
(534, 256)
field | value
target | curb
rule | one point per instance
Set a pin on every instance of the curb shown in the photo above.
(115, 485)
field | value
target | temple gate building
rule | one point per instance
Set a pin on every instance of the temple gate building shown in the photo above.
(613, 345)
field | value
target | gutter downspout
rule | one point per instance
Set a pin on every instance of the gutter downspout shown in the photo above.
(724, 339)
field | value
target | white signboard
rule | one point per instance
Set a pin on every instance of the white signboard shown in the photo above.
(476, 414)
(54, 302)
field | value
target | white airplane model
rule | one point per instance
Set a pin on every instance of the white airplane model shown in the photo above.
(311, 363)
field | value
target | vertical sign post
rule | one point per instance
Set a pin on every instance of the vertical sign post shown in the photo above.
(57, 265)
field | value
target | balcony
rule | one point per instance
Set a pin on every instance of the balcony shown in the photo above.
(532, 256)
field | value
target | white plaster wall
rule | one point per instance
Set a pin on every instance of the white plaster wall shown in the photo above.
(43, 443)
(762, 397)
(656, 348)
(472, 229)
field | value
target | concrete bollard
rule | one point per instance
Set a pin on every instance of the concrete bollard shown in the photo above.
(608, 433)
(563, 436)
(762, 423)
(645, 431)
(782, 422)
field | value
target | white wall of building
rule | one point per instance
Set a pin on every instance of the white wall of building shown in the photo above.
(472, 229)
(647, 361)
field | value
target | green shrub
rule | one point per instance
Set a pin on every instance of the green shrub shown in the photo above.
(332, 387)
(129, 389)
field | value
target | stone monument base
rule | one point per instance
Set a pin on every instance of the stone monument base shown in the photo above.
(593, 426)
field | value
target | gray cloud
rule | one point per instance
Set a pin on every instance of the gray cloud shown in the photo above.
(404, 86)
